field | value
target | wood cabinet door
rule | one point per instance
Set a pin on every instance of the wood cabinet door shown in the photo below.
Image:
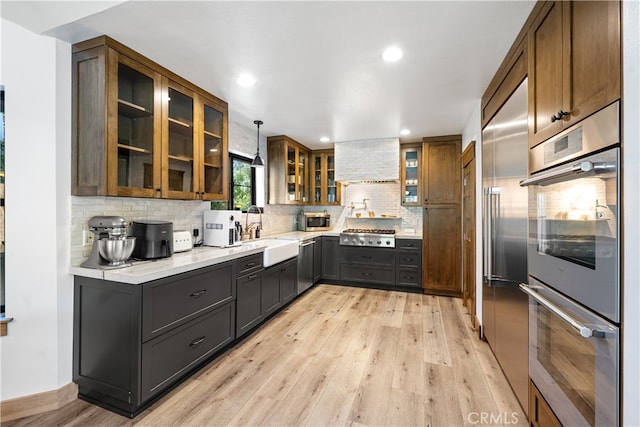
(540, 414)
(441, 249)
(212, 149)
(545, 73)
(442, 172)
(592, 52)
(133, 128)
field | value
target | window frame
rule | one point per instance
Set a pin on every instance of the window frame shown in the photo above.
(239, 157)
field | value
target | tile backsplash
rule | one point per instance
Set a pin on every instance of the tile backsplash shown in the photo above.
(383, 198)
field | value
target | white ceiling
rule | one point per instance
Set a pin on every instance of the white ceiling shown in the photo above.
(317, 64)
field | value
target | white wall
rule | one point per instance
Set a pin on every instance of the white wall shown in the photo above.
(473, 132)
(631, 207)
(36, 354)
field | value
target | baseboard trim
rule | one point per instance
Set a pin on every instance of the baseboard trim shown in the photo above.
(39, 403)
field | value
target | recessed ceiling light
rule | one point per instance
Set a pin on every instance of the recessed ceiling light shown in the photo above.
(324, 139)
(392, 54)
(246, 80)
(405, 132)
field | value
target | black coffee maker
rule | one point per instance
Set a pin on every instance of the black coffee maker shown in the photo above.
(154, 239)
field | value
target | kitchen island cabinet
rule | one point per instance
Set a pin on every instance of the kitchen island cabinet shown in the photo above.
(132, 342)
(141, 131)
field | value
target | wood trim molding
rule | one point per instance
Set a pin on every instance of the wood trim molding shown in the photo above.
(4, 330)
(35, 404)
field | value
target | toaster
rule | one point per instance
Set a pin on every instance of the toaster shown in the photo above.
(182, 241)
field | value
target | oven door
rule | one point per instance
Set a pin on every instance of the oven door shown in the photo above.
(573, 358)
(573, 230)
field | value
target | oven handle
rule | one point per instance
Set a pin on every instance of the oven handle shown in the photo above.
(582, 167)
(583, 329)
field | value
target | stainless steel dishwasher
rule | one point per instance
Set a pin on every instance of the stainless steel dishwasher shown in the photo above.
(305, 265)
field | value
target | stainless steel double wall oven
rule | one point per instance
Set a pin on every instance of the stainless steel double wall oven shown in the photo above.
(574, 270)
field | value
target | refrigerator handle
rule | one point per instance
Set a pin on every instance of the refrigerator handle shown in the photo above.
(492, 207)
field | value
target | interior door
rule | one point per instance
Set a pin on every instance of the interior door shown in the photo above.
(468, 231)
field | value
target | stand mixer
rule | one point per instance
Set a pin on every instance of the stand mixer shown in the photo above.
(111, 245)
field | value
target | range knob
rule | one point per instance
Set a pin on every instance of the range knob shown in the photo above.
(388, 243)
(361, 241)
(379, 242)
(370, 242)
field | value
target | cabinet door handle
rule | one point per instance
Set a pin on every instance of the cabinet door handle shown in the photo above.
(197, 341)
(198, 294)
(559, 115)
(158, 190)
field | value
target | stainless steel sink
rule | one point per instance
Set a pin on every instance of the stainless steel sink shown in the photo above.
(275, 250)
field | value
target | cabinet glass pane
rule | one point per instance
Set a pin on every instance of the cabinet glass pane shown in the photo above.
(302, 172)
(135, 128)
(291, 173)
(180, 154)
(212, 150)
(411, 177)
(331, 180)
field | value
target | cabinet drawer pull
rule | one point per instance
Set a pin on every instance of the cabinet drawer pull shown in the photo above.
(197, 341)
(366, 257)
(408, 277)
(364, 273)
(198, 294)
(252, 276)
(408, 259)
(250, 264)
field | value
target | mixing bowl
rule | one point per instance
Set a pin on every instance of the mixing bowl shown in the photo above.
(116, 250)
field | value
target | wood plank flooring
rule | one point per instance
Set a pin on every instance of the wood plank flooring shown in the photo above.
(338, 356)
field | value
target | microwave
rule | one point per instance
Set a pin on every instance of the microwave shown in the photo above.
(314, 221)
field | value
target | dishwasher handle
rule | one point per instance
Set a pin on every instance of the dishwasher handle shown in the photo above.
(309, 243)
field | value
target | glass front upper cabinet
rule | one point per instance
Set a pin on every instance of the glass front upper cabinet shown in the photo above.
(137, 167)
(411, 162)
(212, 177)
(325, 190)
(179, 174)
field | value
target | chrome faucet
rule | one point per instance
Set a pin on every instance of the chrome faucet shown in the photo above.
(249, 226)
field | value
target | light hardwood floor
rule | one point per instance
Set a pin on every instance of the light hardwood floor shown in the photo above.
(337, 356)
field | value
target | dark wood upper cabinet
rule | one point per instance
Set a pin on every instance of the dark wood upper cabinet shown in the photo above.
(141, 131)
(441, 160)
(574, 55)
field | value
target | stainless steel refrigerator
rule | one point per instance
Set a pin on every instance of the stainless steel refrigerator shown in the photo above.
(504, 307)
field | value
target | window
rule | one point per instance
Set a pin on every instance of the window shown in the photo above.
(243, 183)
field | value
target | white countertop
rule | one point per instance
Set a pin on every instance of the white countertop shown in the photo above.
(203, 256)
(181, 262)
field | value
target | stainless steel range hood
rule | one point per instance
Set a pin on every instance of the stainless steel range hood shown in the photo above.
(368, 161)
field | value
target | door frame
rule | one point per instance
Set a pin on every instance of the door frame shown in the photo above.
(468, 244)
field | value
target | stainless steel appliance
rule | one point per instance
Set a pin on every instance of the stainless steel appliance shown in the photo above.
(573, 358)
(504, 308)
(314, 221)
(154, 239)
(574, 283)
(220, 228)
(111, 246)
(373, 237)
(305, 265)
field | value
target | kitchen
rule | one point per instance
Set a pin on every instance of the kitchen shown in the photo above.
(55, 229)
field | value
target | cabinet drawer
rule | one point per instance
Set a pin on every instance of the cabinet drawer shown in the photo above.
(360, 255)
(409, 277)
(367, 274)
(170, 302)
(409, 244)
(408, 258)
(166, 358)
(248, 264)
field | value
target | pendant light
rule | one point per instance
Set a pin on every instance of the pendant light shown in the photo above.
(257, 161)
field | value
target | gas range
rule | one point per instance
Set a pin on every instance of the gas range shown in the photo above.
(372, 237)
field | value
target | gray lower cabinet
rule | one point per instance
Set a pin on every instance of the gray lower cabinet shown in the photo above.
(262, 292)
(409, 262)
(375, 266)
(317, 259)
(330, 269)
(131, 342)
(248, 302)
